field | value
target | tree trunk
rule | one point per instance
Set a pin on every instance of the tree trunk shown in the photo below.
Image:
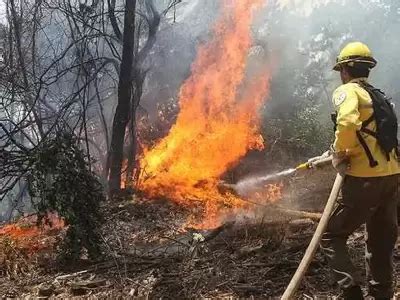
(133, 143)
(130, 169)
(122, 113)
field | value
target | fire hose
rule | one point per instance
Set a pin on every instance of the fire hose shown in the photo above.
(312, 247)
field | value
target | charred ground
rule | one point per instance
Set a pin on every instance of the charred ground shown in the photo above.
(149, 254)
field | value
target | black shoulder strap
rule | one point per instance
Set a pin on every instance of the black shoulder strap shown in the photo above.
(334, 121)
(372, 162)
(368, 121)
(365, 125)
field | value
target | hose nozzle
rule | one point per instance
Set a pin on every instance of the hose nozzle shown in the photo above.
(315, 162)
(304, 166)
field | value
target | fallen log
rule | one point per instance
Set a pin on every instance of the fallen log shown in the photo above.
(67, 276)
(88, 284)
(300, 214)
(291, 212)
(248, 288)
(215, 232)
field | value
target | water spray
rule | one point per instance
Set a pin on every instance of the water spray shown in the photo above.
(248, 185)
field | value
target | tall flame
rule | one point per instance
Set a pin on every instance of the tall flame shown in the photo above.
(218, 120)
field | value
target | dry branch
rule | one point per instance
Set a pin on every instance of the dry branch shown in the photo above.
(300, 214)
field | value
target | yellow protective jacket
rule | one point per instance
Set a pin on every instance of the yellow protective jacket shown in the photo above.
(353, 105)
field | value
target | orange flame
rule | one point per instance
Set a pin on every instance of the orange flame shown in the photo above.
(218, 121)
(26, 234)
(270, 193)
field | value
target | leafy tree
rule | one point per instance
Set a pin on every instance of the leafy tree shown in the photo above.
(60, 180)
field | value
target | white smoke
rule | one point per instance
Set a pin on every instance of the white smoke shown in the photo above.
(302, 7)
(2, 12)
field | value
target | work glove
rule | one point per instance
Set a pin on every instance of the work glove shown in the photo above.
(340, 161)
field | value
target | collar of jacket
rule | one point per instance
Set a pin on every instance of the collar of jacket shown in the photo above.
(356, 80)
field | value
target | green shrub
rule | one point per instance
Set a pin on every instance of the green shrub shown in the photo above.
(61, 181)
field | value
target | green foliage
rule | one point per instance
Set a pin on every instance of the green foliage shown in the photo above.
(302, 135)
(297, 121)
(61, 181)
(303, 128)
(311, 133)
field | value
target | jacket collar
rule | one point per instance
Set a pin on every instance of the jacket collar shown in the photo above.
(357, 80)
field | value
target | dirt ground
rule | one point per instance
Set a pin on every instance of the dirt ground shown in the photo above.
(150, 256)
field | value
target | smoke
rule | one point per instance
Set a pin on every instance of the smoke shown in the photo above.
(2, 12)
(298, 33)
(303, 7)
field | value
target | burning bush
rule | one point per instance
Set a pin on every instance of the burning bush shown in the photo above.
(218, 121)
(61, 181)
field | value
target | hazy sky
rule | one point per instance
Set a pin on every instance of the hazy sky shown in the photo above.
(300, 6)
(2, 11)
(304, 7)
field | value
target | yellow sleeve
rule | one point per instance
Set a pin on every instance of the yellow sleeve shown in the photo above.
(348, 120)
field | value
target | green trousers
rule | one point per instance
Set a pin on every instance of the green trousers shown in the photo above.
(371, 201)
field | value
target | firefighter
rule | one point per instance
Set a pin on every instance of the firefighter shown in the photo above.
(368, 159)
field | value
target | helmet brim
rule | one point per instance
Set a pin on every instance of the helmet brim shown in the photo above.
(371, 63)
(336, 67)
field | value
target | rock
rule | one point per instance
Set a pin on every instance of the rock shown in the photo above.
(45, 290)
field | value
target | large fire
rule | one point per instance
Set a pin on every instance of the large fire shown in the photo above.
(218, 120)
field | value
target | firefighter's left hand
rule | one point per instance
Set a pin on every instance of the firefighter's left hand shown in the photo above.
(341, 162)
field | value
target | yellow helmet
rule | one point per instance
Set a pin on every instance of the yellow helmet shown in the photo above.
(355, 52)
